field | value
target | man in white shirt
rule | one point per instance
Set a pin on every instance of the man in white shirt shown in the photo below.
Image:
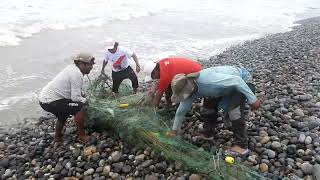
(121, 70)
(62, 96)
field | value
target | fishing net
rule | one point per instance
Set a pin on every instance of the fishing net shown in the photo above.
(132, 118)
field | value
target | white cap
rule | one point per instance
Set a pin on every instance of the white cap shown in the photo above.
(109, 43)
(147, 69)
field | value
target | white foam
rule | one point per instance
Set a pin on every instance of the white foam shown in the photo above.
(20, 19)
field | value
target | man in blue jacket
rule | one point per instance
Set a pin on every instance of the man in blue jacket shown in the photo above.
(226, 86)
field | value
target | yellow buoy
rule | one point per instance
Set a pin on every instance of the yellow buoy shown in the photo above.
(229, 160)
(123, 105)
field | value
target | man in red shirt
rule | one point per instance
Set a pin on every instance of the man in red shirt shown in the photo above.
(165, 70)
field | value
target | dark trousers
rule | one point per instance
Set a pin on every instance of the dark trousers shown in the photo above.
(118, 77)
(234, 113)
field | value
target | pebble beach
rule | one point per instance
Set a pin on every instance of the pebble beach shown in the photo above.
(284, 133)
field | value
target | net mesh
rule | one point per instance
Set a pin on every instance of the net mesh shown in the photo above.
(134, 121)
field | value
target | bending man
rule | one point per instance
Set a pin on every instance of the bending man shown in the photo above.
(226, 86)
(62, 96)
(165, 70)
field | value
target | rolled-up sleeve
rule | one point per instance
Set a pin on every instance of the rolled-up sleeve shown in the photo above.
(182, 111)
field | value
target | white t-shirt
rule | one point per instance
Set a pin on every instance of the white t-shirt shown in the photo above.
(119, 59)
(66, 85)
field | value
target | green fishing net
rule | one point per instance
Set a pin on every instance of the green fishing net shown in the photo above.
(133, 120)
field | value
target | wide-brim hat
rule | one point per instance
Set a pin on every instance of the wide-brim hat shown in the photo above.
(182, 87)
(85, 58)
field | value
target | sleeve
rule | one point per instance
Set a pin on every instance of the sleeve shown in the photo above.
(76, 81)
(239, 85)
(128, 52)
(182, 111)
(106, 57)
(164, 83)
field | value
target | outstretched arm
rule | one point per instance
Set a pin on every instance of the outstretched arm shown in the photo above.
(135, 58)
(156, 99)
(103, 66)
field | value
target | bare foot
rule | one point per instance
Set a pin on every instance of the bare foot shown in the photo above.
(84, 138)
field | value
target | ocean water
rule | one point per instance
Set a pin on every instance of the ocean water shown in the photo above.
(37, 37)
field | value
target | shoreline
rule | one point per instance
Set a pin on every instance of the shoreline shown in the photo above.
(283, 134)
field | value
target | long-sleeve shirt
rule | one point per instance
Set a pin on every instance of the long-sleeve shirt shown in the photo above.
(66, 85)
(217, 81)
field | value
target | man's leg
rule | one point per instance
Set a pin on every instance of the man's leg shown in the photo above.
(236, 115)
(59, 127)
(209, 115)
(116, 81)
(57, 108)
(168, 94)
(79, 119)
(133, 78)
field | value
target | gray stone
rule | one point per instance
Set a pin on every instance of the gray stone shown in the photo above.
(140, 157)
(96, 157)
(58, 168)
(89, 172)
(99, 170)
(316, 172)
(298, 112)
(114, 175)
(126, 169)
(116, 156)
(317, 158)
(146, 163)
(4, 163)
(2, 146)
(308, 140)
(68, 165)
(271, 154)
(302, 138)
(291, 149)
(306, 168)
(7, 173)
(101, 163)
(106, 170)
(118, 166)
(161, 166)
(276, 145)
(195, 177)
(151, 177)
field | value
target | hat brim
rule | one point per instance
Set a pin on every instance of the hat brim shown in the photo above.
(185, 93)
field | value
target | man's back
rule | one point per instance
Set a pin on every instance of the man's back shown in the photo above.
(62, 85)
(169, 67)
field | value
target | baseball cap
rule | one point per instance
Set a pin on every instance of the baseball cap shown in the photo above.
(85, 57)
(109, 43)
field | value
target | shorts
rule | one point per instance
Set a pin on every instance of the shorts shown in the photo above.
(62, 108)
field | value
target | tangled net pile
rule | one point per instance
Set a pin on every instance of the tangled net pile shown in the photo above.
(141, 124)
